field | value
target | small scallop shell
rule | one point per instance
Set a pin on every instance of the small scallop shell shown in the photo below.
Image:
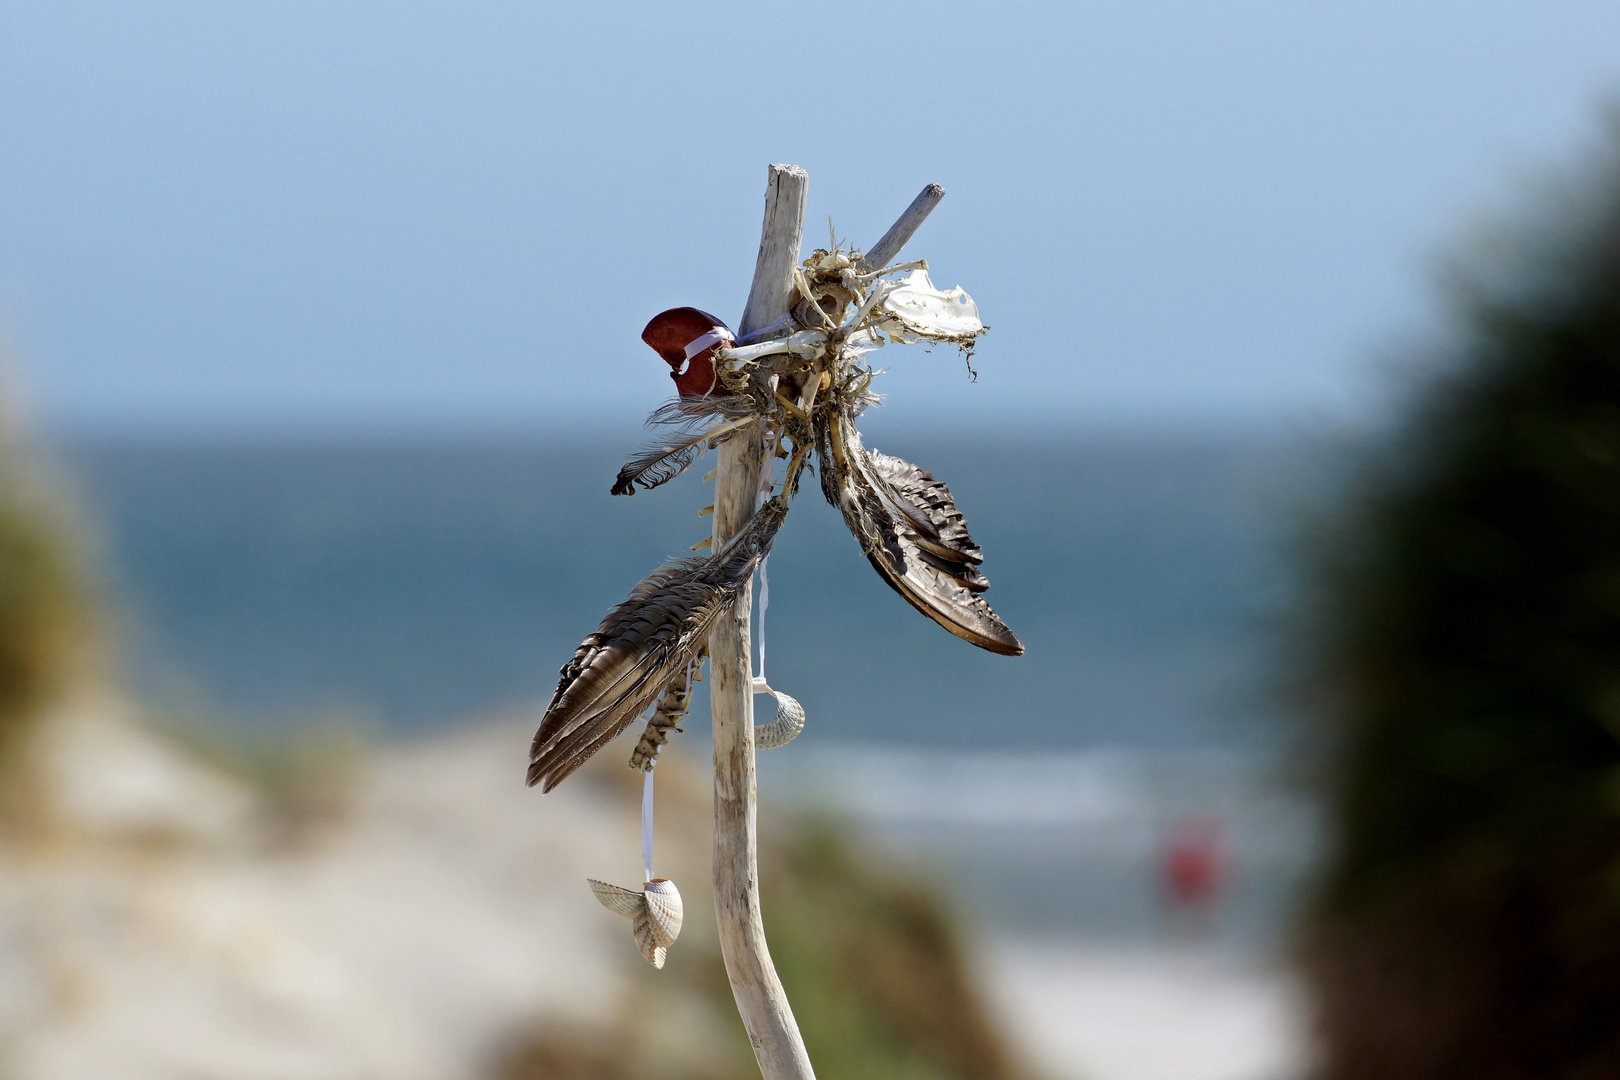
(664, 910)
(617, 900)
(785, 728)
(654, 914)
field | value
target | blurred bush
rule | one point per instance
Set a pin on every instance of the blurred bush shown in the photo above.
(46, 629)
(1466, 667)
(871, 962)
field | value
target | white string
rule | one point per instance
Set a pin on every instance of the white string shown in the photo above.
(647, 793)
(646, 824)
(766, 477)
(764, 602)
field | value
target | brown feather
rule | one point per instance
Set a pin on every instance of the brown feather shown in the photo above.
(690, 423)
(912, 533)
(642, 644)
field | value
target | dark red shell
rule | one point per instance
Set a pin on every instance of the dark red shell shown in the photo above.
(670, 332)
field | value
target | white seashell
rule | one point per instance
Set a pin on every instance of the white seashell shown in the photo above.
(664, 910)
(617, 900)
(785, 728)
(654, 913)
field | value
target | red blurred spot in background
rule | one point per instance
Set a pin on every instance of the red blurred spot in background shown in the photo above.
(1194, 862)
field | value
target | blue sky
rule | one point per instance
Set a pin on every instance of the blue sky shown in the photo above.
(456, 218)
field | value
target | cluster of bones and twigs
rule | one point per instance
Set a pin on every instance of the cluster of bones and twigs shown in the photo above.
(804, 380)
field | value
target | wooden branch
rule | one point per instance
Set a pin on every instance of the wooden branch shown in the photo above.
(764, 1006)
(779, 243)
(884, 251)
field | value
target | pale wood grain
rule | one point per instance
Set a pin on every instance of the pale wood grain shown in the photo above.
(779, 242)
(760, 999)
(883, 252)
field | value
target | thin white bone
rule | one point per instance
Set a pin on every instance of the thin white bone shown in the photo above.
(809, 298)
(805, 344)
(915, 264)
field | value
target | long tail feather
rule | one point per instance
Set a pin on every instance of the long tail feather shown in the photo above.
(912, 533)
(641, 646)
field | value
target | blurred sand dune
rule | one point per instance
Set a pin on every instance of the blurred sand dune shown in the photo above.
(158, 927)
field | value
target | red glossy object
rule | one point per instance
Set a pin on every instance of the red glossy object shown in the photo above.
(671, 332)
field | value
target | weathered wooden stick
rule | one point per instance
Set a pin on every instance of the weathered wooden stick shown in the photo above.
(884, 251)
(760, 999)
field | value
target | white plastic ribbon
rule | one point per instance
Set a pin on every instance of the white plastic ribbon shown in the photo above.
(714, 337)
(781, 323)
(647, 824)
(764, 602)
(767, 475)
(789, 713)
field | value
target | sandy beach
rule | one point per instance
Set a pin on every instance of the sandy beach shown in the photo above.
(1095, 1012)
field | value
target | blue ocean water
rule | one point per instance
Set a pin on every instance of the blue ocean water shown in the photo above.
(421, 583)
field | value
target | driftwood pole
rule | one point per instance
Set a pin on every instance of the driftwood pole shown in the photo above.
(760, 999)
(889, 245)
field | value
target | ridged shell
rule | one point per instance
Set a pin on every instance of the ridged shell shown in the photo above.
(654, 913)
(785, 728)
(619, 901)
(664, 910)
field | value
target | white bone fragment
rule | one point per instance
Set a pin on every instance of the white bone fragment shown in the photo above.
(915, 264)
(806, 343)
(924, 312)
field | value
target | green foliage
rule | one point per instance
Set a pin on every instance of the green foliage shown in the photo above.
(1468, 666)
(874, 970)
(44, 619)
